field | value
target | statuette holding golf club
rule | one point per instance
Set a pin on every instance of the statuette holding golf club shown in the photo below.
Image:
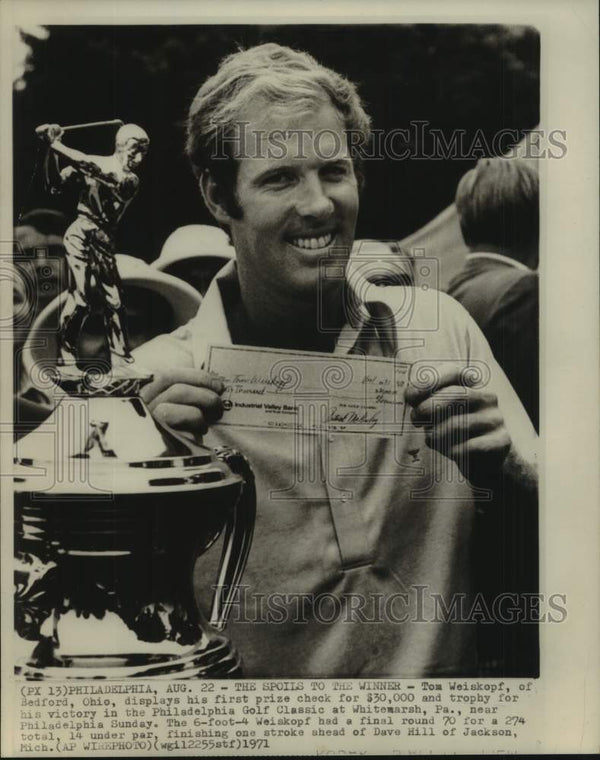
(106, 186)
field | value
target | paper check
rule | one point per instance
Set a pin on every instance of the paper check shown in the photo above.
(268, 388)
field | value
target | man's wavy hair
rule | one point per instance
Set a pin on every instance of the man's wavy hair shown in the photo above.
(287, 79)
(498, 207)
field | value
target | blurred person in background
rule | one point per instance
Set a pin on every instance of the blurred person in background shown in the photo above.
(39, 257)
(38, 274)
(498, 209)
(195, 253)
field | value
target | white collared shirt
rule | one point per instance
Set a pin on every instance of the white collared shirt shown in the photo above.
(345, 520)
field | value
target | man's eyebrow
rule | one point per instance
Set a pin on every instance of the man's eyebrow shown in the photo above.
(275, 169)
(338, 160)
(293, 166)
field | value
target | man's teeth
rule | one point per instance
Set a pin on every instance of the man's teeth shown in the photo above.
(313, 242)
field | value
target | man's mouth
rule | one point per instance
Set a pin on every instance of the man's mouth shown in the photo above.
(314, 242)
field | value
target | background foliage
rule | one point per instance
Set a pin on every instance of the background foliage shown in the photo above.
(468, 77)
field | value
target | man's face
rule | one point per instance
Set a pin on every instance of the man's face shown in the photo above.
(299, 200)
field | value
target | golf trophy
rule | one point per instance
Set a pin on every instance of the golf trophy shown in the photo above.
(113, 508)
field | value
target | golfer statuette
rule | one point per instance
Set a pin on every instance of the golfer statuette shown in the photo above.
(107, 185)
(112, 508)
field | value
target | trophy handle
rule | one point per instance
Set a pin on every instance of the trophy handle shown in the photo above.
(238, 538)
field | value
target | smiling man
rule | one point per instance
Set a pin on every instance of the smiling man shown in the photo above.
(295, 202)
(363, 543)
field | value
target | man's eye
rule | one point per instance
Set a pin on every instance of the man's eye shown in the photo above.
(280, 178)
(336, 171)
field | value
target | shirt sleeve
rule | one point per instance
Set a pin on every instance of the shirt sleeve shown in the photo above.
(437, 332)
(513, 335)
(478, 350)
(166, 352)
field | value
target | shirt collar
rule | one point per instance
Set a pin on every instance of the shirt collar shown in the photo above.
(210, 323)
(499, 257)
(368, 315)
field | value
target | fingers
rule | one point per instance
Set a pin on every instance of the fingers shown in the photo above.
(451, 400)
(465, 425)
(446, 375)
(181, 417)
(452, 433)
(204, 399)
(185, 399)
(479, 451)
(496, 444)
(187, 376)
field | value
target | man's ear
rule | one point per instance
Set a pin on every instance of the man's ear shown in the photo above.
(213, 198)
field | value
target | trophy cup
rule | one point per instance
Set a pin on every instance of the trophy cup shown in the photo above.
(112, 509)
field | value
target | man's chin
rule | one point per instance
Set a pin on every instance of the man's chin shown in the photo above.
(315, 286)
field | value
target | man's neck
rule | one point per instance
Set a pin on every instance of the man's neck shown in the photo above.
(276, 320)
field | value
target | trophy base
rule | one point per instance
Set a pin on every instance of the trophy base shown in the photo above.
(212, 658)
(109, 520)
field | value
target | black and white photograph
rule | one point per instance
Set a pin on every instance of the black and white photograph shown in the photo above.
(283, 427)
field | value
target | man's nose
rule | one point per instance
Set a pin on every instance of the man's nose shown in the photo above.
(313, 200)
